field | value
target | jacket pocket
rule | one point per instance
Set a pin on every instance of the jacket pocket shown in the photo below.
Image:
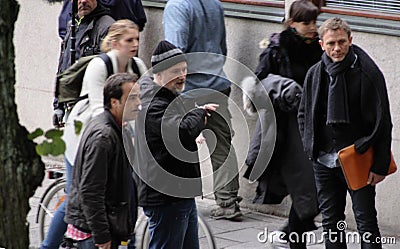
(120, 221)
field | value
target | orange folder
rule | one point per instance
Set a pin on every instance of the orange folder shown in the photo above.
(356, 167)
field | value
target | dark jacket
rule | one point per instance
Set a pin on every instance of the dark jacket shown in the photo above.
(89, 34)
(370, 121)
(289, 56)
(289, 171)
(120, 9)
(127, 9)
(166, 173)
(102, 182)
(63, 18)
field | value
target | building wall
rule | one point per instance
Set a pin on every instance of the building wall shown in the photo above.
(37, 47)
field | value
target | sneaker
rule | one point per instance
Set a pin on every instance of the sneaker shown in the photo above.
(230, 213)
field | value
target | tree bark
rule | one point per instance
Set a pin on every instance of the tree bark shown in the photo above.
(21, 169)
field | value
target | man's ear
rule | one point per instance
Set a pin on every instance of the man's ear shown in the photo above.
(157, 77)
(320, 43)
(113, 102)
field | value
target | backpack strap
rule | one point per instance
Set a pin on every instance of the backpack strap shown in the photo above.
(109, 66)
(135, 67)
(107, 61)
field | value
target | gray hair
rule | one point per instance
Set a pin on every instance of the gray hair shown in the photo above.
(334, 23)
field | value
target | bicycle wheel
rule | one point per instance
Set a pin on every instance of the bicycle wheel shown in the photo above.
(44, 196)
(52, 200)
(206, 239)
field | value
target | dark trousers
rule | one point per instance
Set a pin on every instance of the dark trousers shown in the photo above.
(331, 190)
(298, 227)
(222, 153)
(173, 226)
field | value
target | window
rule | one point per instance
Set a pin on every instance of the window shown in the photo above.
(262, 10)
(257, 2)
(384, 9)
(270, 3)
(366, 5)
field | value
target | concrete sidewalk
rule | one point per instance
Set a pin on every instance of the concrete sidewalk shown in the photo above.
(256, 231)
(249, 232)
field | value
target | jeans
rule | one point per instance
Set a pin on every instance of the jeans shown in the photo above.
(57, 226)
(89, 244)
(173, 226)
(86, 244)
(331, 190)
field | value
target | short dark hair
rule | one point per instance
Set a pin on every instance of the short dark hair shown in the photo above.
(303, 11)
(113, 86)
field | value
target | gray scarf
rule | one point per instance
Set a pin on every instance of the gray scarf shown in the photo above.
(337, 106)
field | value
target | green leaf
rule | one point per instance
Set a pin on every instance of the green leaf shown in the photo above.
(37, 133)
(58, 147)
(54, 133)
(43, 149)
(78, 126)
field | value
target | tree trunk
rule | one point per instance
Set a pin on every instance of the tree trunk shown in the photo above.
(21, 170)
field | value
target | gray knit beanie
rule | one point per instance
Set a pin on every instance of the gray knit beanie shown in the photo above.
(165, 56)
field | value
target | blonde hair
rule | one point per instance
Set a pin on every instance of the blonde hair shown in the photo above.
(116, 30)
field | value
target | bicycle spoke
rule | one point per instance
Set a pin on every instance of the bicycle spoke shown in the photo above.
(50, 213)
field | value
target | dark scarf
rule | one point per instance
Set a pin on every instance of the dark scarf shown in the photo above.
(337, 105)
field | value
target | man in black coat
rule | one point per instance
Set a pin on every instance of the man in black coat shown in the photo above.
(94, 22)
(166, 159)
(101, 205)
(345, 103)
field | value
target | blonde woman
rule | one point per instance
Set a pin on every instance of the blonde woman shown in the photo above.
(121, 45)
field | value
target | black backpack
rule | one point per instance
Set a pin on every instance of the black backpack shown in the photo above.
(70, 81)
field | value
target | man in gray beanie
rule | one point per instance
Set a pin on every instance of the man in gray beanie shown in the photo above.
(166, 159)
(198, 27)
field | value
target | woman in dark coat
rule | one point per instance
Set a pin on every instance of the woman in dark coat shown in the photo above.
(289, 54)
